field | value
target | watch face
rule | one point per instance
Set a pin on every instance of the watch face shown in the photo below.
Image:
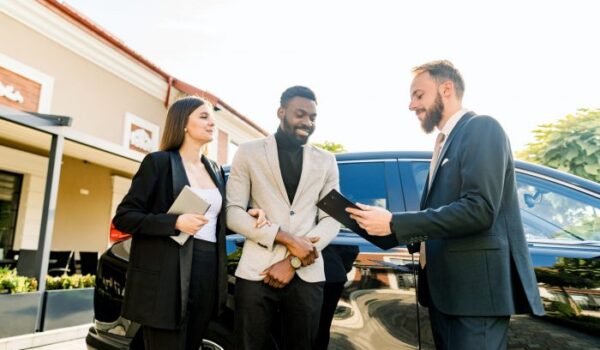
(296, 262)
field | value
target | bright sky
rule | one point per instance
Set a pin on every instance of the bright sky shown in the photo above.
(524, 62)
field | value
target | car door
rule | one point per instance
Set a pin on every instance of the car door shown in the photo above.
(562, 226)
(377, 307)
(561, 222)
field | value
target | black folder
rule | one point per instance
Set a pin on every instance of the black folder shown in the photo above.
(335, 204)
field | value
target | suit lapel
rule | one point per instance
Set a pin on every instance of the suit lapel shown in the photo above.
(425, 193)
(451, 137)
(306, 162)
(273, 163)
(178, 172)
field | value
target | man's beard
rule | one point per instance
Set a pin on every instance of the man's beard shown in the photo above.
(433, 115)
(290, 130)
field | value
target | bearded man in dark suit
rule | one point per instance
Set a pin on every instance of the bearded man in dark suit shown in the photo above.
(475, 270)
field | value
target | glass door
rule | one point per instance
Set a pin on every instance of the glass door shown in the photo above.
(10, 193)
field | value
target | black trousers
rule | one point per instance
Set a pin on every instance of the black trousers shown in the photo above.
(331, 296)
(467, 332)
(293, 310)
(200, 308)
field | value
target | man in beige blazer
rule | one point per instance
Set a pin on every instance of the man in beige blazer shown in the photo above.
(280, 275)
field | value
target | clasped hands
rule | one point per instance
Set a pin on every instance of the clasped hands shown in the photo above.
(374, 220)
(281, 273)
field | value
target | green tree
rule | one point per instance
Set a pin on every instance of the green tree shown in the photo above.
(331, 146)
(572, 144)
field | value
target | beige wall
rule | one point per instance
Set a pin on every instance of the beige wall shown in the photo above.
(120, 187)
(96, 99)
(82, 220)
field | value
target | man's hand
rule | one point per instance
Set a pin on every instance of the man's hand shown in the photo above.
(279, 274)
(374, 220)
(302, 247)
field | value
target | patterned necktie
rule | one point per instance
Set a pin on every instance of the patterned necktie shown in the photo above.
(434, 159)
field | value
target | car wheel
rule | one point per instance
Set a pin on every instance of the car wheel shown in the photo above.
(218, 337)
(210, 345)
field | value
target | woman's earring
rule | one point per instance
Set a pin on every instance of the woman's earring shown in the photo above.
(184, 129)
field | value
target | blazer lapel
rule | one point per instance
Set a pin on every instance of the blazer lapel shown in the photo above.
(212, 171)
(306, 163)
(273, 163)
(180, 179)
(451, 137)
(178, 172)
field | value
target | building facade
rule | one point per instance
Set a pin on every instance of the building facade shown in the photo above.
(55, 61)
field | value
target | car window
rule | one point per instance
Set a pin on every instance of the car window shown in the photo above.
(555, 211)
(420, 171)
(364, 183)
(549, 210)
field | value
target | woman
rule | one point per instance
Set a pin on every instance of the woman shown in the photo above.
(173, 290)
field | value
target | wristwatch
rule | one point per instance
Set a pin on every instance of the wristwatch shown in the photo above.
(295, 262)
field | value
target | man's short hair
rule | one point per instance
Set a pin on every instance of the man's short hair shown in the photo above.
(296, 91)
(442, 71)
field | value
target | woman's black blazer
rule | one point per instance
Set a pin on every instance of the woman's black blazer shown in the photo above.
(158, 275)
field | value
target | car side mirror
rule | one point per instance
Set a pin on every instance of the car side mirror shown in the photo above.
(531, 200)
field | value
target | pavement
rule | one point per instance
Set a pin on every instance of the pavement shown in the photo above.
(78, 344)
(68, 338)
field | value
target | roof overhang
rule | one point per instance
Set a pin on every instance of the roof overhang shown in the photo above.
(35, 131)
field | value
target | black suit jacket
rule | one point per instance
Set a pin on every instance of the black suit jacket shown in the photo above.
(477, 258)
(158, 275)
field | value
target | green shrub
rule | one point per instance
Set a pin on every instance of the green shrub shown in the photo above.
(11, 283)
(70, 282)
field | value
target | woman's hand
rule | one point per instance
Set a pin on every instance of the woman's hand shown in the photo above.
(190, 223)
(261, 217)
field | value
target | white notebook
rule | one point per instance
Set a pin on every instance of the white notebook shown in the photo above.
(187, 202)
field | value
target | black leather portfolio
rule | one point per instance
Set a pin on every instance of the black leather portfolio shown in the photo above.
(335, 204)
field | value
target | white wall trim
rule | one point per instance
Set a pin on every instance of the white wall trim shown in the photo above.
(58, 29)
(46, 81)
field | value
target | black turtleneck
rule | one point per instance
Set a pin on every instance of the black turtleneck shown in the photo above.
(289, 151)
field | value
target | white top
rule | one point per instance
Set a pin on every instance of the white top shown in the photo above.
(208, 232)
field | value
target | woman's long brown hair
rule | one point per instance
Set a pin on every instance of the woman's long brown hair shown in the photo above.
(177, 118)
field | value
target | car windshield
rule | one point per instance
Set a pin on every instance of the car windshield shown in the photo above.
(554, 211)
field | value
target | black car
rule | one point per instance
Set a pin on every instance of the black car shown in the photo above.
(561, 219)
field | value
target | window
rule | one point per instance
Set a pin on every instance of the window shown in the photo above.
(420, 171)
(554, 211)
(364, 183)
(10, 190)
(549, 210)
